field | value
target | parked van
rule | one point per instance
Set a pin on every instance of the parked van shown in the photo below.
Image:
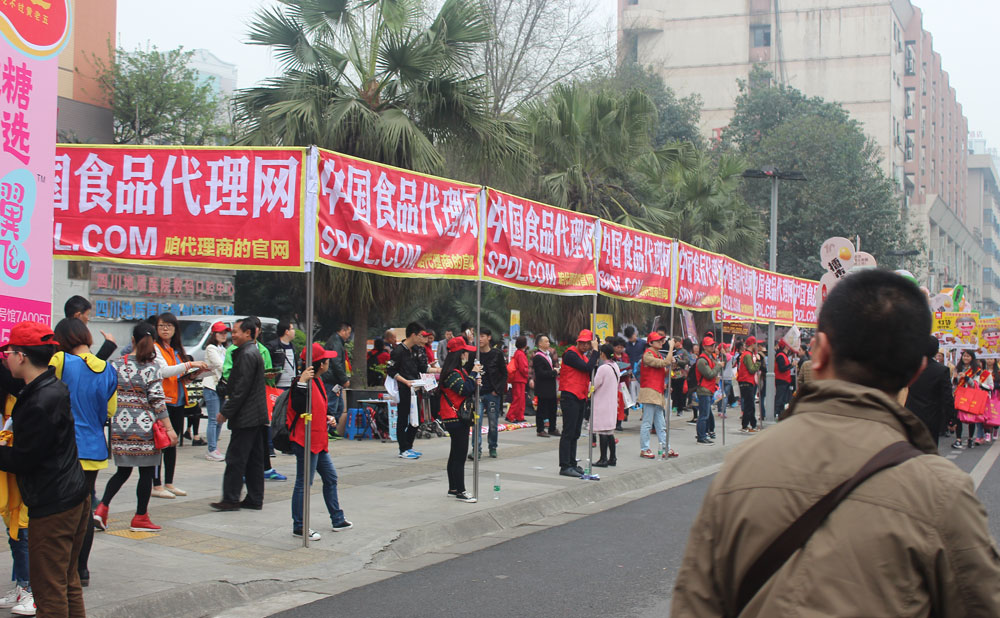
(196, 328)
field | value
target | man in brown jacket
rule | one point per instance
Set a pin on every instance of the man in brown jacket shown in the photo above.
(912, 540)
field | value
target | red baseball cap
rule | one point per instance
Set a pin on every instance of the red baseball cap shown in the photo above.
(654, 336)
(459, 344)
(29, 334)
(585, 335)
(425, 333)
(220, 327)
(707, 341)
(319, 353)
(751, 341)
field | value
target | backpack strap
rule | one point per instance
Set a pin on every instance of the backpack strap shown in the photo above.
(797, 534)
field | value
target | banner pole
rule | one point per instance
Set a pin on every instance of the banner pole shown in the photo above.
(307, 417)
(590, 423)
(477, 434)
(673, 306)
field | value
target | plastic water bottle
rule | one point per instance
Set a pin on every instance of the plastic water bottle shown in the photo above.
(659, 453)
(496, 487)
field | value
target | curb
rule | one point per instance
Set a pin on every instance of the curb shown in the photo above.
(194, 601)
(413, 542)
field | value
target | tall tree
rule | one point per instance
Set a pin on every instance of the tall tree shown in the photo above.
(157, 98)
(378, 80)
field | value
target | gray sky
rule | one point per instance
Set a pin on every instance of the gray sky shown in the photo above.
(962, 30)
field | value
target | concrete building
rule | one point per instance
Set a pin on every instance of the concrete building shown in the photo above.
(872, 56)
(221, 73)
(84, 111)
(984, 204)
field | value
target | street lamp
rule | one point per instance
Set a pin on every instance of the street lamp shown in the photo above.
(775, 175)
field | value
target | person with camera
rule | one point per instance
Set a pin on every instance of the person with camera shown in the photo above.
(456, 387)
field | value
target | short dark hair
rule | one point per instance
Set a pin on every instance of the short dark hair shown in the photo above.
(283, 327)
(414, 328)
(485, 331)
(75, 305)
(250, 324)
(629, 331)
(933, 345)
(143, 334)
(344, 325)
(521, 342)
(38, 355)
(619, 341)
(72, 333)
(877, 323)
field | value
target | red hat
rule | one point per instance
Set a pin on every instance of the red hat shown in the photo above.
(459, 344)
(585, 335)
(28, 334)
(707, 341)
(220, 327)
(751, 341)
(654, 336)
(425, 333)
(782, 344)
(319, 353)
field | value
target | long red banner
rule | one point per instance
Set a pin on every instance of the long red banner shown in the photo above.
(390, 221)
(634, 265)
(699, 278)
(535, 246)
(739, 285)
(806, 301)
(774, 300)
(218, 207)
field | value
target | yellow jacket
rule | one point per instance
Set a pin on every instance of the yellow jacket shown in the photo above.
(13, 511)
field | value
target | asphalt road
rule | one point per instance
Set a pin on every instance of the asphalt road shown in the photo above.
(620, 562)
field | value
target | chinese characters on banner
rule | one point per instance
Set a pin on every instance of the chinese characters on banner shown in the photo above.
(699, 278)
(390, 221)
(806, 302)
(775, 298)
(33, 33)
(218, 207)
(634, 265)
(956, 330)
(538, 247)
(988, 330)
(135, 293)
(738, 288)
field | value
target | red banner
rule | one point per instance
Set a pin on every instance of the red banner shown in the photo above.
(806, 302)
(774, 300)
(738, 288)
(538, 247)
(634, 265)
(389, 221)
(699, 278)
(180, 206)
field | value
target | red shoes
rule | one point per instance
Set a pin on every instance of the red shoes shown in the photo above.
(141, 523)
(101, 517)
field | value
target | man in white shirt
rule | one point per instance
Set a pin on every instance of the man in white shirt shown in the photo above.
(283, 355)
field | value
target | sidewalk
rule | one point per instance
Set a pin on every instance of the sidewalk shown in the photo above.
(203, 561)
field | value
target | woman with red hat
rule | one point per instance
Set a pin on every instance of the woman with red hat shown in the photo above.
(456, 387)
(215, 357)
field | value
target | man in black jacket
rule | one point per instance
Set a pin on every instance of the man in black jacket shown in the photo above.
(493, 389)
(43, 456)
(246, 410)
(930, 395)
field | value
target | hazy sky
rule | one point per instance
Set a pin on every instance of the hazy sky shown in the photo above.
(962, 31)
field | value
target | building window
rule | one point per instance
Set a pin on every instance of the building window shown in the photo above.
(909, 146)
(761, 35)
(631, 49)
(633, 2)
(78, 271)
(910, 61)
(911, 99)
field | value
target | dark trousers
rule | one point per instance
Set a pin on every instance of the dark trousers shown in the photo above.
(165, 473)
(88, 539)
(54, 544)
(782, 394)
(677, 395)
(246, 458)
(405, 435)
(608, 443)
(546, 412)
(747, 392)
(572, 413)
(458, 430)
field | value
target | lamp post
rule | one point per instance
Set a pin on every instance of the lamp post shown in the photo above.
(775, 175)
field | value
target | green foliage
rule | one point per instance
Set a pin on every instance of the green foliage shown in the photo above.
(156, 98)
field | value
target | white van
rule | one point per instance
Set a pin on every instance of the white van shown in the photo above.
(195, 330)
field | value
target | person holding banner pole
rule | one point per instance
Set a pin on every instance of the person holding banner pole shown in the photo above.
(578, 363)
(456, 387)
(652, 383)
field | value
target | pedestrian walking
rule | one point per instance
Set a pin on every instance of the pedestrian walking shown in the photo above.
(652, 383)
(746, 377)
(246, 411)
(782, 378)
(912, 539)
(92, 385)
(44, 458)
(19, 600)
(707, 371)
(319, 444)
(457, 385)
(930, 396)
(578, 362)
(170, 353)
(518, 371)
(545, 371)
(141, 405)
(405, 367)
(494, 383)
(215, 358)
(605, 405)
(970, 373)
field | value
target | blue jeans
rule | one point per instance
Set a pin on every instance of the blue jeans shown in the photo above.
(652, 416)
(335, 404)
(212, 409)
(704, 416)
(322, 463)
(491, 410)
(19, 555)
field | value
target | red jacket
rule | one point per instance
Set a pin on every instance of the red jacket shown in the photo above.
(520, 376)
(320, 438)
(742, 375)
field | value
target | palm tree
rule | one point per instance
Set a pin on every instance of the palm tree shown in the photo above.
(378, 80)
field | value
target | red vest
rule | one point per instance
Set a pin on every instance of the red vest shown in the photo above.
(783, 376)
(653, 377)
(319, 432)
(574, 381)
(742, 375)
(450, 400)
(711, 385)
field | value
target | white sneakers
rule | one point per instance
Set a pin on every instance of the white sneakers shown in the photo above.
(215, 456)
(21, 602)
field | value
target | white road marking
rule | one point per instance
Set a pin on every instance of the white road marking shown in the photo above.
(985, 464)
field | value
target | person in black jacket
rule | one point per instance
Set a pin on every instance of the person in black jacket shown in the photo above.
(930, 395)
(493, 388)
(79, 307)
(246, 410)
(546, 371)
(43, 455)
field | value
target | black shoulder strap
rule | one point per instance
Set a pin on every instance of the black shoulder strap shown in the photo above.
(797, 534)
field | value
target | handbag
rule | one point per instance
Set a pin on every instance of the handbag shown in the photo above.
(797, 534)
(970, 404)
(993, 410)
(160, 438)
(392, 389)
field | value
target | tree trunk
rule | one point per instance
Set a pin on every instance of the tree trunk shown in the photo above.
(359, 360)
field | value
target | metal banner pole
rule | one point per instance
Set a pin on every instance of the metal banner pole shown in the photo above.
(476, 422)
(773, 265)
(307, 416)
(590, 423)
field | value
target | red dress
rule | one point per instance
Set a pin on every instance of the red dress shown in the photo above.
(518, 381)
